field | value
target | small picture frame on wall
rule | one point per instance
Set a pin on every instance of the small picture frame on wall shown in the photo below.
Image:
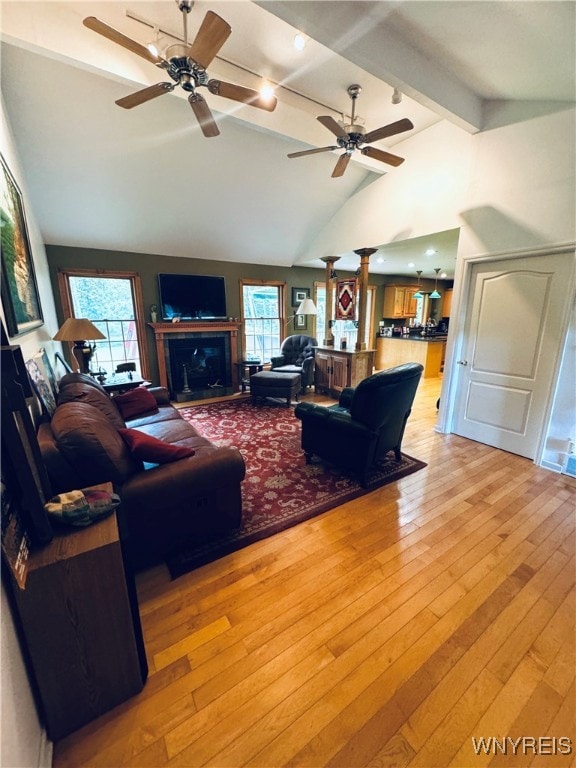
(298, 296)
(300, 322)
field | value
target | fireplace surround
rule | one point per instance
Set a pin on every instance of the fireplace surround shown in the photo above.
(197, 360)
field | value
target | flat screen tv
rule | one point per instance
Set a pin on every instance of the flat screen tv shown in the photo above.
(192, 297)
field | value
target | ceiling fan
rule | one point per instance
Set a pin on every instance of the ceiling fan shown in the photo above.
(186, 65)
(351, 138)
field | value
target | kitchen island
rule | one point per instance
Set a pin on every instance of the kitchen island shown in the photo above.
(396, 350)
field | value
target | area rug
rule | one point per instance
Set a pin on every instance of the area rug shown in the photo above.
(280, 489)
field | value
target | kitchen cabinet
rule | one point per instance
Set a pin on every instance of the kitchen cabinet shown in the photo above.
(397, 351)
(447, 303)
(399, 301)
(336, 369)
(80, 623)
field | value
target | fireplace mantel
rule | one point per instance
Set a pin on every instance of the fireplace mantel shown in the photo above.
(162, 330)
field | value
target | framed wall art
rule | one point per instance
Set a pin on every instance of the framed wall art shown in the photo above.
(298, 296)
(346, 300)
(300, 322)
(20, 297)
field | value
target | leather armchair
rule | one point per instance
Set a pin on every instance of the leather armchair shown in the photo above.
(367, 423)
(296, 356)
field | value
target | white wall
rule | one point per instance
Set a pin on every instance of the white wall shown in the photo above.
(507, 188)
(23, 741)
(510, 188)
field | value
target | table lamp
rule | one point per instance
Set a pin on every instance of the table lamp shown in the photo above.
(79, 330)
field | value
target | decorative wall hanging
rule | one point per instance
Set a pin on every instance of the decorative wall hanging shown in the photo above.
(19, 290)
(345, 299)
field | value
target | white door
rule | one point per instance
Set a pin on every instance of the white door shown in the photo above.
(512, 339)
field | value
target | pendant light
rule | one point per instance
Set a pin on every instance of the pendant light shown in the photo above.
(435, 294)
(418, 294)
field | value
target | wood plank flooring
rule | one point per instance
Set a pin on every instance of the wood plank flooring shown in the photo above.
(399, 629)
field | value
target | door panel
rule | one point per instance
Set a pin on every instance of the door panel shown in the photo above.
(513, 336)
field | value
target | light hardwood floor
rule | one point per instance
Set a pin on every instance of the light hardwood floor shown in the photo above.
(391, 631)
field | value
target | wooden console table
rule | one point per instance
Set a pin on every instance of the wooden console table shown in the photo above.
(79, 616)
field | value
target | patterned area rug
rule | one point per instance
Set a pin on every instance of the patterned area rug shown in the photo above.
(280, 489)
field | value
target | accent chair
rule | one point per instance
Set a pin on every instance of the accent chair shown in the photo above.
(367, 423)
(296, 356)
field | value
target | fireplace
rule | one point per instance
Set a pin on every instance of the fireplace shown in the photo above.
(197, 361)
(199, 366)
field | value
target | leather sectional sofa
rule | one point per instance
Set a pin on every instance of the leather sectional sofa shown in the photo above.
(167, 502)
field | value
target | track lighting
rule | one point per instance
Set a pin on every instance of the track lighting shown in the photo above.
(299, 41)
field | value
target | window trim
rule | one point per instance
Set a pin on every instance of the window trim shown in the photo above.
(282, 294)
(136, 287)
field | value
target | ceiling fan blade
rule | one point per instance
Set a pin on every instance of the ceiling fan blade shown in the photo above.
(203, 115)
(244, 95)
(117, 37)
(341, 165)
(212, 35)
(146, 94)
(332, 125)
(311, 151)
(384, 157)
(388, 130)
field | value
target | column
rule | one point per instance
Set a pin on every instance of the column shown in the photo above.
(364, 254)
(328, 341)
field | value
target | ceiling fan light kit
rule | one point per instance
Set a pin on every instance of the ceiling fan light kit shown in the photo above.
(352, 137)
(186, 65)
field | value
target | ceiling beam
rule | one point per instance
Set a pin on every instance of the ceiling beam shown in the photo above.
(359, 32)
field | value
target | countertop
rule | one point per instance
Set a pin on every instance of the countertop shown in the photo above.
(415, 338)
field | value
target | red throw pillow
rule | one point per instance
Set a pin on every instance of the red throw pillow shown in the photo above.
(148, 448)
(135, 403)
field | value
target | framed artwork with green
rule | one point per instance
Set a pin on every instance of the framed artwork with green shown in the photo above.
(20, 298)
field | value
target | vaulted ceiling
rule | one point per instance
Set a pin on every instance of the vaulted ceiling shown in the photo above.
(146, 180)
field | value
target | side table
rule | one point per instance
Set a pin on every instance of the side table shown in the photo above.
(121, 382)
(79, 616)
(250, 366)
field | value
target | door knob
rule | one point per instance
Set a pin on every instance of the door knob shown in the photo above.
(462, 362)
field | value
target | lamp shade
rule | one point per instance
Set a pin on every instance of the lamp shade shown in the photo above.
(78, 329)
(307, 307)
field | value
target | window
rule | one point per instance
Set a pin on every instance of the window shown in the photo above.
(263, 318)
(113, 302)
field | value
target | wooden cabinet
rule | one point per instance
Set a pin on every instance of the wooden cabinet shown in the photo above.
(80, 623)
(399, 301)
(336, 369)
(447, 303)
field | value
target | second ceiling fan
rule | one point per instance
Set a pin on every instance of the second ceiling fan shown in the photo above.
(351, 137)
(186, 65)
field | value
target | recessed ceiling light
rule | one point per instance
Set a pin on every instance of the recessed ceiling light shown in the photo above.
(380, 260)
(431, 252)
(411, 265)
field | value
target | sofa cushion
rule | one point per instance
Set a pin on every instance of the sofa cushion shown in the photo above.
(82, 392)
(151, 449)
(136, 402)
(90, 443)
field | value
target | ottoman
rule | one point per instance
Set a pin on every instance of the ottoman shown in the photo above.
(272, 384)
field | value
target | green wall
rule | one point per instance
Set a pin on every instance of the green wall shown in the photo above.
(149, 265)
